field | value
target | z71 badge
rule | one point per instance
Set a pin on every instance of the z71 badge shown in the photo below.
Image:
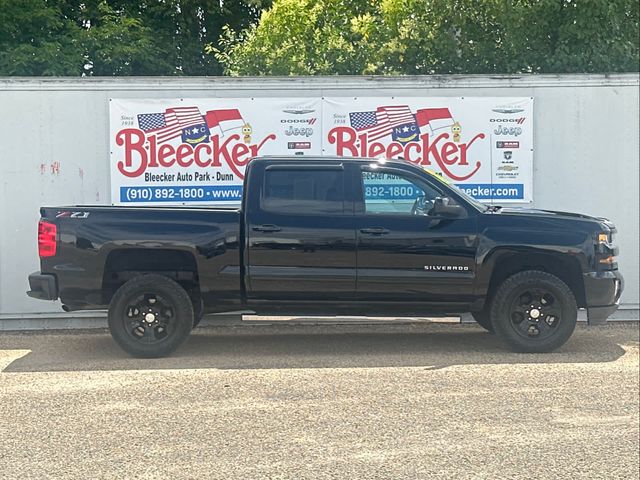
(69, 214)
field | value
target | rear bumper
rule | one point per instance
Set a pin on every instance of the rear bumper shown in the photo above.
(602, 292)
(43, 286)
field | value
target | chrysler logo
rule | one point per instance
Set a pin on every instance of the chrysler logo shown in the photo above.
(299, 111)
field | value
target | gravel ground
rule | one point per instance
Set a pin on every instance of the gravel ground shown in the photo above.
(333, 401)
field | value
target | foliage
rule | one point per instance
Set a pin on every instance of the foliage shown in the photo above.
(116, 37)
(311, 37)
(35, 38)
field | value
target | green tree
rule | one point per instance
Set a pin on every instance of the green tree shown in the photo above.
(308, 37)
(176, 32)
(36, 39)
(116, 37)
(300, 37)
(116, 42)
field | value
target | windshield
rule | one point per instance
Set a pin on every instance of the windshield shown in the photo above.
(480, 206)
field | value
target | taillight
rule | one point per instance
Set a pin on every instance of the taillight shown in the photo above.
(47, 233)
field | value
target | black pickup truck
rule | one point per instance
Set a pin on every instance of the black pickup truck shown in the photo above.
(330, 236)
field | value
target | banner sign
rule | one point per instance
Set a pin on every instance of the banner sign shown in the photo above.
(195, 151)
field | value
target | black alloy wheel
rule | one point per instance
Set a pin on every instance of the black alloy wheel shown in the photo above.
(534, 311)
(150, 316)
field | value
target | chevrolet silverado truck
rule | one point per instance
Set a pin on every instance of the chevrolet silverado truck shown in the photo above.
(330, 236)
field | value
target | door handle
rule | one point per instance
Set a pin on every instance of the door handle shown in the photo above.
(375, 231)
(267, 228)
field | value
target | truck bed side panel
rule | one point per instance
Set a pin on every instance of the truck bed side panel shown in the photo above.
(88, 238)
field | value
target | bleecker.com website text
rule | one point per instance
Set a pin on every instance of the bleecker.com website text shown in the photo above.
(485, 192)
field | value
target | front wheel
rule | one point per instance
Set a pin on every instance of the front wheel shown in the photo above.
(534, 311)
(150, 316)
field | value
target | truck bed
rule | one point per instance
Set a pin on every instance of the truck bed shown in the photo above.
(97, 241)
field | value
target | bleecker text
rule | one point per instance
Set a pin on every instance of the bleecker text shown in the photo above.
(142, 152)
(445, 153)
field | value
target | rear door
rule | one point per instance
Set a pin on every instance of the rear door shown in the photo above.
(300, 231)
(405, 251)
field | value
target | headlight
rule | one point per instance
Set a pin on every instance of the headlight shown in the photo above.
(606, 252)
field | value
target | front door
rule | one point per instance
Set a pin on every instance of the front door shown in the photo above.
(405, 251)
(301, 234)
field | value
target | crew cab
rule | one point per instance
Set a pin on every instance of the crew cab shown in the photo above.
(330, 236)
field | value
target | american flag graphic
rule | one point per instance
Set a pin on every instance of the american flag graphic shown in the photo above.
(171, 123)
(380, 123)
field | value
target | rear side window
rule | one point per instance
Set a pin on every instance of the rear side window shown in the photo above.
(303, 191)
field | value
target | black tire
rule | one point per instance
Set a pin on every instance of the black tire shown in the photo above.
(150, 316)
(483, 319)
(534, 311)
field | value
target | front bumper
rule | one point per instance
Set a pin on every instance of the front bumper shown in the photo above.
(43, 286)
(602, 291)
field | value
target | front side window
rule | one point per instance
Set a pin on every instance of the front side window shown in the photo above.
(393, 193)
(303, 191)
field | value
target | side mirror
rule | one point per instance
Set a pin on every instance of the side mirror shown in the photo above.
(443, 207)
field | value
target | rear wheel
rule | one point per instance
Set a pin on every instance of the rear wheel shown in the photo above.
(150, 316)
(534, 311)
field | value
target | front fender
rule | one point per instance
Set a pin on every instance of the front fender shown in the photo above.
(526, 247)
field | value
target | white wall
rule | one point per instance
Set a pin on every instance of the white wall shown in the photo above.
(586, 149)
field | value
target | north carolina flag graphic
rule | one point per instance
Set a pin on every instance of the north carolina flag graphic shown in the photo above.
(224, 120)
(196, 134)
(405, 133)
(435, 118)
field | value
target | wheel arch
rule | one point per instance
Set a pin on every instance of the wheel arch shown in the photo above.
(124, 264)
(505, 262)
